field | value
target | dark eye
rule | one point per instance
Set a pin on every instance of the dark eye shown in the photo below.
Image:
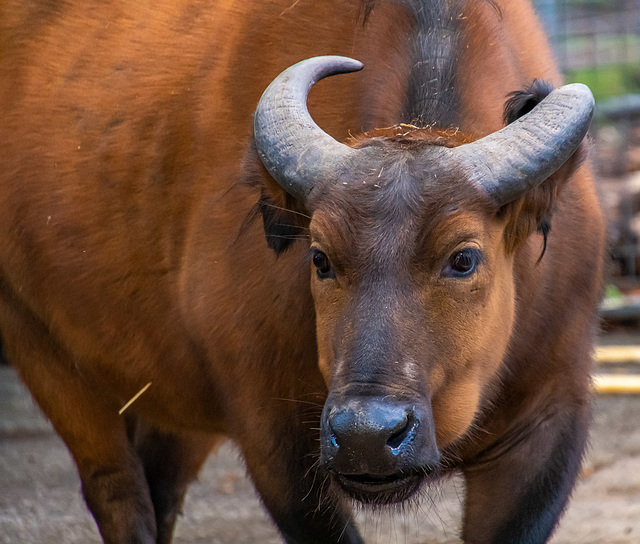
(321, 262)
(462, 263)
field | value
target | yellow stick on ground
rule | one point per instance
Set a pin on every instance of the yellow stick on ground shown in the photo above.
(616, 383)
(617, 354)
(134, 398)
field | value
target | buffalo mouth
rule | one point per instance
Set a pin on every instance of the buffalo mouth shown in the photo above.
(380, 490)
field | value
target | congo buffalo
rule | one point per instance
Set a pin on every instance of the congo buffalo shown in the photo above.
(407, 292)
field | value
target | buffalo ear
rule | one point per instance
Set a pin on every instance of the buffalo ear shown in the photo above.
(533, 212)
(283, 217)
(521, 102)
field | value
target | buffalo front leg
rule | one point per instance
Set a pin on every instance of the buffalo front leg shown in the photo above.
(113, 482)
(518, 494)
(171, 462)
(112, 477)
(282, 459)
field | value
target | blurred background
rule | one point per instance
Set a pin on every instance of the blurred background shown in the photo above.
(597, 42)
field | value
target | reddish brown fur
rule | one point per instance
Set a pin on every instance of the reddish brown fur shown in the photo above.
(125, 258)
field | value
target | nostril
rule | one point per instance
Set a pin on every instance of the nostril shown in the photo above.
(336, 426)
(401, 431)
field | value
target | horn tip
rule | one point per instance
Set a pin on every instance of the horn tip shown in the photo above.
(334, 64)
(580, 91)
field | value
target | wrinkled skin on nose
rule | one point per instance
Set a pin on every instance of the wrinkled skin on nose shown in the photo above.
(378, 451)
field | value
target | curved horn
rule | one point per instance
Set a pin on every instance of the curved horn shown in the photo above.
(511, 161)
(294, 150)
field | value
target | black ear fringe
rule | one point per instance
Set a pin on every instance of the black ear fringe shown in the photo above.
(522, 102)
(544, 227)
(282, 226)
(283, 222)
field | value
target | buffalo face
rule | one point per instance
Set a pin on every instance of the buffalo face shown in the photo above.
(413, 233)
(414, 306)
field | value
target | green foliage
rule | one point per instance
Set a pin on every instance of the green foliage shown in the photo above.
(609, 80)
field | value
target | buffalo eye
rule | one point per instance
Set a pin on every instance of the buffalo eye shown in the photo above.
(322, 264)
(462, 263)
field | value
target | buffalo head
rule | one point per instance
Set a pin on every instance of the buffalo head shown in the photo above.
(412, 251)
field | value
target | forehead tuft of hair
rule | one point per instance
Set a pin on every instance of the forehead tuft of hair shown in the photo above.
(410, 136)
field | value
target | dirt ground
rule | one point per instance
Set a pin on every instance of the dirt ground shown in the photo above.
(40, 500)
